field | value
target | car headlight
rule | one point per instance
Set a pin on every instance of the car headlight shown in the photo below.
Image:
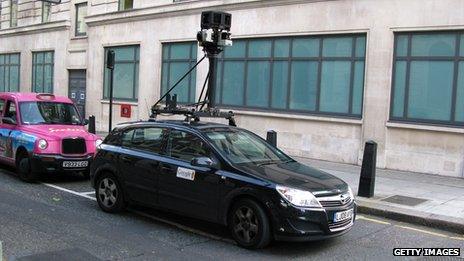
(350, 192)
(42, 144)
(98, 142)
(298, 197)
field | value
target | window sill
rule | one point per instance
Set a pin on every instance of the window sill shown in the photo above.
(120, 102)
(298, 117)
(424, 127)
(79, 37)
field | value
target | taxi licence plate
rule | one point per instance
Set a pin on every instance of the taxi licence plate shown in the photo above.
(343, 215)
(75, 164)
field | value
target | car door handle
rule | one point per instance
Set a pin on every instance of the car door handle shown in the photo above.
(126, 159)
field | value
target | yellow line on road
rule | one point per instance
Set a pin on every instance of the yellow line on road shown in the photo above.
(373, 220)
(423, 231)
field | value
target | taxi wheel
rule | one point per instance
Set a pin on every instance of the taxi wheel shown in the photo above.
(249, 224)
(23, 167)
(109, 194)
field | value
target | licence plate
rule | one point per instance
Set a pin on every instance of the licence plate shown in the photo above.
(75, 164)
(343, 215)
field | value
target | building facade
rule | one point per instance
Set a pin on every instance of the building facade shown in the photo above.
(326, 75)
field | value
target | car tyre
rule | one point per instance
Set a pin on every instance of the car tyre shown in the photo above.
(109, 194)
(25, 172)
(249, 224)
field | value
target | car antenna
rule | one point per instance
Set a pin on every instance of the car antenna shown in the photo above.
(214, 36)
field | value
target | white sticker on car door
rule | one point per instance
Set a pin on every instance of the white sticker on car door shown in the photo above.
(184, 173)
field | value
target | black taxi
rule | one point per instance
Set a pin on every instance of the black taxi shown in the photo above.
(221, 174)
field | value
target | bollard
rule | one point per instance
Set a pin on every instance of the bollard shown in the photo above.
(367, 178)
(92, 124)
(271, 138)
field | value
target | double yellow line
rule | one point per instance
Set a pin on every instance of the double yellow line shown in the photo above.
(409, 228)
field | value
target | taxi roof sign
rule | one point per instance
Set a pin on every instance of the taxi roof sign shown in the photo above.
(45, 96)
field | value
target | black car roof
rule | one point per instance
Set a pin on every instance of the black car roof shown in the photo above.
(196, 125)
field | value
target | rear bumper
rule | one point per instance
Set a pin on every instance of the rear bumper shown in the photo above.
(54, 163)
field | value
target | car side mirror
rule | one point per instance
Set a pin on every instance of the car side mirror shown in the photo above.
(8, 120)
(203, 162)
(85, 122)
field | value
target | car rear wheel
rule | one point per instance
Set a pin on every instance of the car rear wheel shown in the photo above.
(249, 224)
(109, 194)
(23, 167)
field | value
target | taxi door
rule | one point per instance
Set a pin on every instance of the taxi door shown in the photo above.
(183, 187)
(8, 124)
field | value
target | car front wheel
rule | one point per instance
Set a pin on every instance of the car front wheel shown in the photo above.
(249, 224)
(109, 194)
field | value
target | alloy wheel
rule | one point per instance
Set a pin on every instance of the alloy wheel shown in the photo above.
(245, 224)
(108, 192)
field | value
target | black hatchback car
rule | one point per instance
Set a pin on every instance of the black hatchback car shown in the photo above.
(221, 174)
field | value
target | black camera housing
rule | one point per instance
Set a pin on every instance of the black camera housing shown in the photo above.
(216, 20)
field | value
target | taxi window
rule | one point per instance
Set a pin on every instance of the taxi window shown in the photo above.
(186, 146)
(2, 106)
(126, 139)
(10, 110)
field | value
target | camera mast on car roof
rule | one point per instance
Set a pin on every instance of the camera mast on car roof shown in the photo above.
(213, 37)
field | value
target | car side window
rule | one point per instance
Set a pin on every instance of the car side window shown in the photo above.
(149, 139)
(126, 139)
(186, 146)
(10, 110)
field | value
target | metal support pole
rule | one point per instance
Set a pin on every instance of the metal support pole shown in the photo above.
(367, 178)
(110, 66)
(211, 94)
(92, 128)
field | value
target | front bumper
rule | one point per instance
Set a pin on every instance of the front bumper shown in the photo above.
(299, 224)
(54, 163)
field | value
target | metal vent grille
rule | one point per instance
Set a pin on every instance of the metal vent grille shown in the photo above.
(73, 146)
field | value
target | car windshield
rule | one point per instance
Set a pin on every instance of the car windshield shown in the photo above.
(49, 113)
(243, 147)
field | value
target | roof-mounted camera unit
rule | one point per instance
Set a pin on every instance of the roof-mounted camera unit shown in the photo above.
(215, 31)
(213, 37)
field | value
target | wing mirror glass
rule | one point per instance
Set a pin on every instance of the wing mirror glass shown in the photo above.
(204, 162)
(8, 120)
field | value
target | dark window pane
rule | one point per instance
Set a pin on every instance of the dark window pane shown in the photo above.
(399, 89)
(123, 81)
(279, 85)
(235, 51)
(232, 92)
(126, 139)
(282, 48)
(401, 45)
(258, 84)
(337, 47)
(335, 87)
(430, 93)
(358, 87)
(360, 46)
(305, 47)
(180, 51)
(177, 70)
(460, 94)
(303, 91)
(259, 48)
(461, 48)
(433, 45)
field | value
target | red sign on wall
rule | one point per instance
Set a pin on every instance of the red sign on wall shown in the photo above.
(125, 110)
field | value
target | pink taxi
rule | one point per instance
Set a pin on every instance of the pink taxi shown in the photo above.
(44, 133)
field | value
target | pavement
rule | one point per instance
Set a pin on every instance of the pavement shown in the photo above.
(424, 199)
